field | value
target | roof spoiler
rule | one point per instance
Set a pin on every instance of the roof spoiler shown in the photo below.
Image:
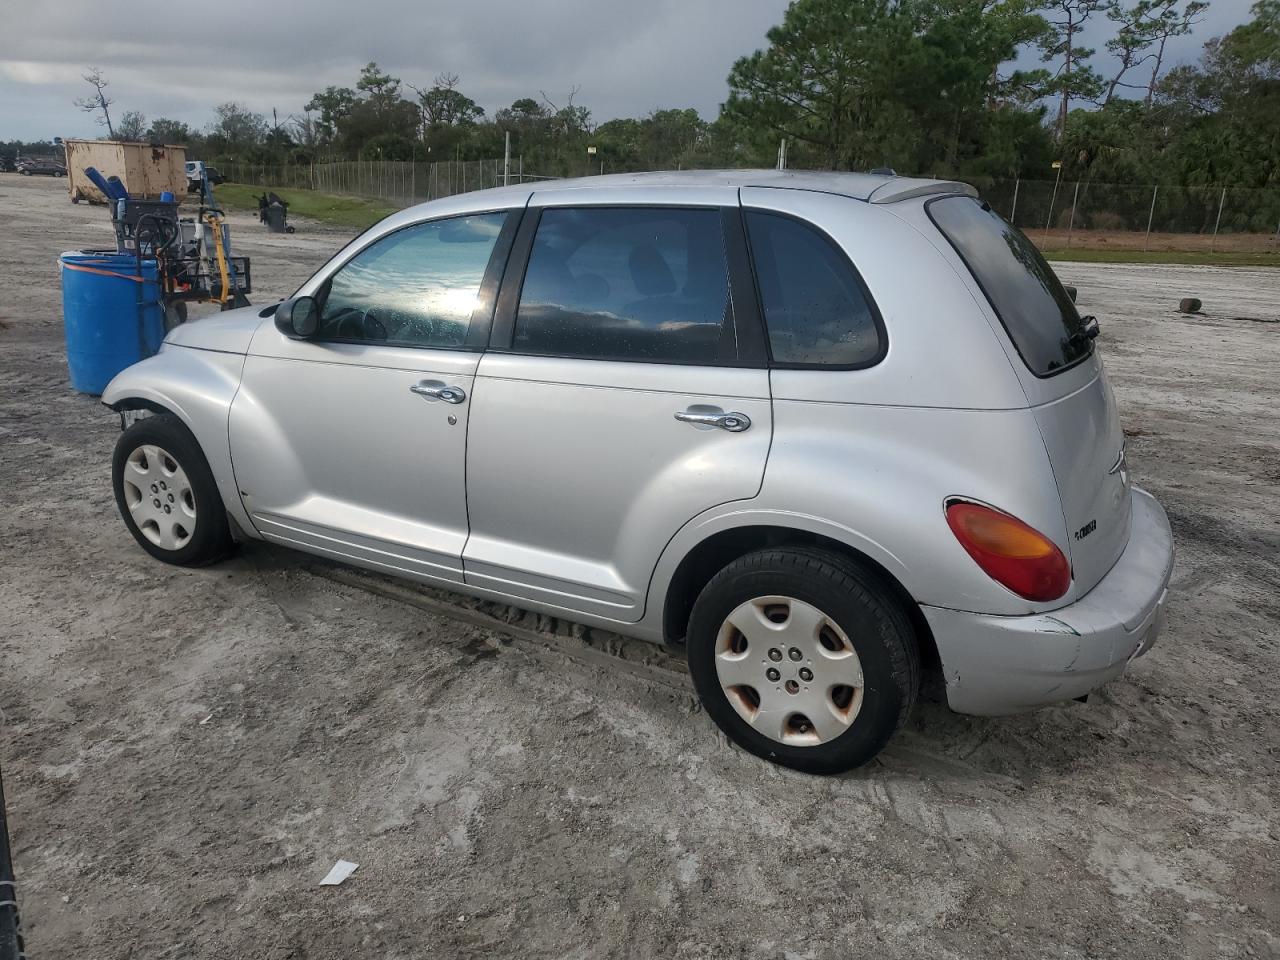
(906, 188)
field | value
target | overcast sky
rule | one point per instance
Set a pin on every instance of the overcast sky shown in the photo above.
(625, 57)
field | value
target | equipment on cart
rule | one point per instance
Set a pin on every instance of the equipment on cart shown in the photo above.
(192, 254)
(117, 306)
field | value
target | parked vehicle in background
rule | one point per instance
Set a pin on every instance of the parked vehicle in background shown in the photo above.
(819, 429)
(41, 166)
(193, 175)
(7, 164)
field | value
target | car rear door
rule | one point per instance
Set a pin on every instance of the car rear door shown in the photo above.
(624, 393)
(353, 444)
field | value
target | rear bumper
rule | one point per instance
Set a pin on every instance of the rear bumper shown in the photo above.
(995, 665)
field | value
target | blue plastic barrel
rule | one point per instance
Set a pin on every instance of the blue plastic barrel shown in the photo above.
(112, 317)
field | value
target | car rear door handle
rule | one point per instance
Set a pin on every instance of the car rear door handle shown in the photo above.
(733, 422)
(436, 390)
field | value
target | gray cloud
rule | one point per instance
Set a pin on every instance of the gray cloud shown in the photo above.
(624, 58)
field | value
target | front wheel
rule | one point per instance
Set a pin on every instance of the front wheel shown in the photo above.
(804, 658)
(166, 493)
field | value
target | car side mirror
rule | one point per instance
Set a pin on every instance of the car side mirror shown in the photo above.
(1071, 291)
(298, 319)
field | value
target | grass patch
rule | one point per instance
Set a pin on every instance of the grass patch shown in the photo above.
(1229, 259)
(326, 207)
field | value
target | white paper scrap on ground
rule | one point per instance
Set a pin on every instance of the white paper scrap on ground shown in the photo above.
(341, 870)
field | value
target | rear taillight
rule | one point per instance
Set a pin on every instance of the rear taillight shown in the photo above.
(1010, 552)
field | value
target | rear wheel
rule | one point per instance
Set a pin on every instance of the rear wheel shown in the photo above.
(166, 493)
(803, 658)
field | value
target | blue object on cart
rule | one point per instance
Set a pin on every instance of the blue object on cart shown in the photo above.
(113, 316)
(99, 181)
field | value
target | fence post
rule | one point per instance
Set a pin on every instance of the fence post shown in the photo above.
(1052, 200)
(1221, 200)
(1150, 216)
(1014, 212)
(1075, 199)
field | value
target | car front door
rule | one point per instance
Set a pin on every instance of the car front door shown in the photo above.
(624, 393)
(352, 444)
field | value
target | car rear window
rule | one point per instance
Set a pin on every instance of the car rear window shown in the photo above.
(1024, 291)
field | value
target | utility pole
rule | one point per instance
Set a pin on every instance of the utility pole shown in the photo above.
(782, 154)
(506, 159)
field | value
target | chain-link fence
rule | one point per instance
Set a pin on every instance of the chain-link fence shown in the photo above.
(398, 183)
(1055, 214)
(1058, 215)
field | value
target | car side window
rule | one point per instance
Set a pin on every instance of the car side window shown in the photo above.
(415, 287)
(816, 308)
(640, 283)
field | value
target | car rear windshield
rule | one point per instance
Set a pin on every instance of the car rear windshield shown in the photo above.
(1024, 291)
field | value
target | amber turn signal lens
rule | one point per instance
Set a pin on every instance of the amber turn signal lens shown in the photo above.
(1010, 552)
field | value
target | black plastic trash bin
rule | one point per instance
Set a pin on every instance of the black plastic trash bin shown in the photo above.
(276, 218)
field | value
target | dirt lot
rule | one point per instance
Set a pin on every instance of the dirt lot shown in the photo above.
(1058, 239)
(188, 752)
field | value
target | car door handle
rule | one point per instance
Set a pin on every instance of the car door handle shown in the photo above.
(733, 422)
(435, 390)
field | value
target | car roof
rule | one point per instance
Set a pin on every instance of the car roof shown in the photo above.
(869, 187)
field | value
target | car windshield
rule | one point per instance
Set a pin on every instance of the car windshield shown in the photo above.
(1025, 293)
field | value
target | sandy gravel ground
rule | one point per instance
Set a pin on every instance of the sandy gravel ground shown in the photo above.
(188, 752)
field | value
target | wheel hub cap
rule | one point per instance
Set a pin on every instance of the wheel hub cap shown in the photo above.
(789, 670)
(159, 497)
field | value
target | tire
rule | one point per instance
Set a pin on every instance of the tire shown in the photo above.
(844, 623)
(193, 531)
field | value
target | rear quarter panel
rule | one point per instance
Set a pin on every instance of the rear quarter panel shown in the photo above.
(876, 479)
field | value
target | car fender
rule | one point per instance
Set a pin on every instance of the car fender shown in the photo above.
(741, 515)
(196, 386)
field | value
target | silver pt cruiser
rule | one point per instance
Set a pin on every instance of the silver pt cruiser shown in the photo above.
(819, 429)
